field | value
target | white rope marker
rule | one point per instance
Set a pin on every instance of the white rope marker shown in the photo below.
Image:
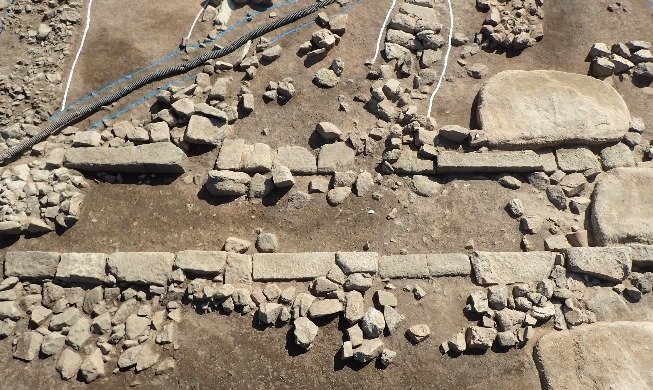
(446, 60)
(79, 51)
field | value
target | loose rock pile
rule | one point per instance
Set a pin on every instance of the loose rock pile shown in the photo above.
(633, 58)
(513, 25)
(84, 328)
(507, 313)
(37, 197)
(87, 310)
(29, 93)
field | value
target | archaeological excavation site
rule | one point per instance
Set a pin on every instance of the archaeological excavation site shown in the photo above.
(330, 194)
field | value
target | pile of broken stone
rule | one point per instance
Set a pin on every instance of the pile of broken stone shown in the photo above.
(37, 197)
(90, 310)
(631, 58)
(72, 312)
(513, 25)
(507, 313)
(29, 93)
(85, 310)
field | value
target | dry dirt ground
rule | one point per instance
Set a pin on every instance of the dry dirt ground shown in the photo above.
(227, 352)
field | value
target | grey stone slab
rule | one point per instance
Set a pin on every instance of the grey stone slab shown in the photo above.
(449, 264)
(230, 155)
(209, 263)
(489, 162)
(258, 160)
(410, 163)
(141, 267)
(550, 108)
(606, 355)
(404, 267)
(577, 159)
(238, 269)
(291, 266)
(205, 131)
(611, 263)
(621, 207)
(159, 157)
(87, 268)
(641, 257)
(298, 159)
(512, 267)
(335, 157)
(357, 262)
(31, 265)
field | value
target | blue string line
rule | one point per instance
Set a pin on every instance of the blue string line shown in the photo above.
(650, 2)
(134, 104)
(171, 55)
(128, 108)
(2, 25)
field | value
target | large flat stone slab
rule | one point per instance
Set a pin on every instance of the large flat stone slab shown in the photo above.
(449, 264)
(603, 355)
(512, 267)
(205, 131)
(208, 263)
(622, 210)
(520, 161)
(531, 109)
(298, 159)
(141, 267)
(238, 269)
(404, 267)
(611, 264)
(411, 164)
(357, 262)
(159, 157)
(335, 157)
(87, 268)
(291, 266)
(31, 265)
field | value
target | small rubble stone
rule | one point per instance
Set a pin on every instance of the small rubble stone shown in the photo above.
(358, 281)
(418, 333)
(515, 208)
(616, 156)
(329, 131)
(269, 313)
(372, 323)
(338, 195)
(480, 338)
(28, 346)
(392, 318)
(267, 243)
(93, 367)
(326, 78)
(325, 307)
(385, 298)
(237, 245)
(369, 350)
(282, 176)
(354, 307)
(53, 344)
(68, 364)
(387, 357)
(305, 332)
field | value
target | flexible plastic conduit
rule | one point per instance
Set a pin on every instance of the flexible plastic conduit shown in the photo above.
(155, 76)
